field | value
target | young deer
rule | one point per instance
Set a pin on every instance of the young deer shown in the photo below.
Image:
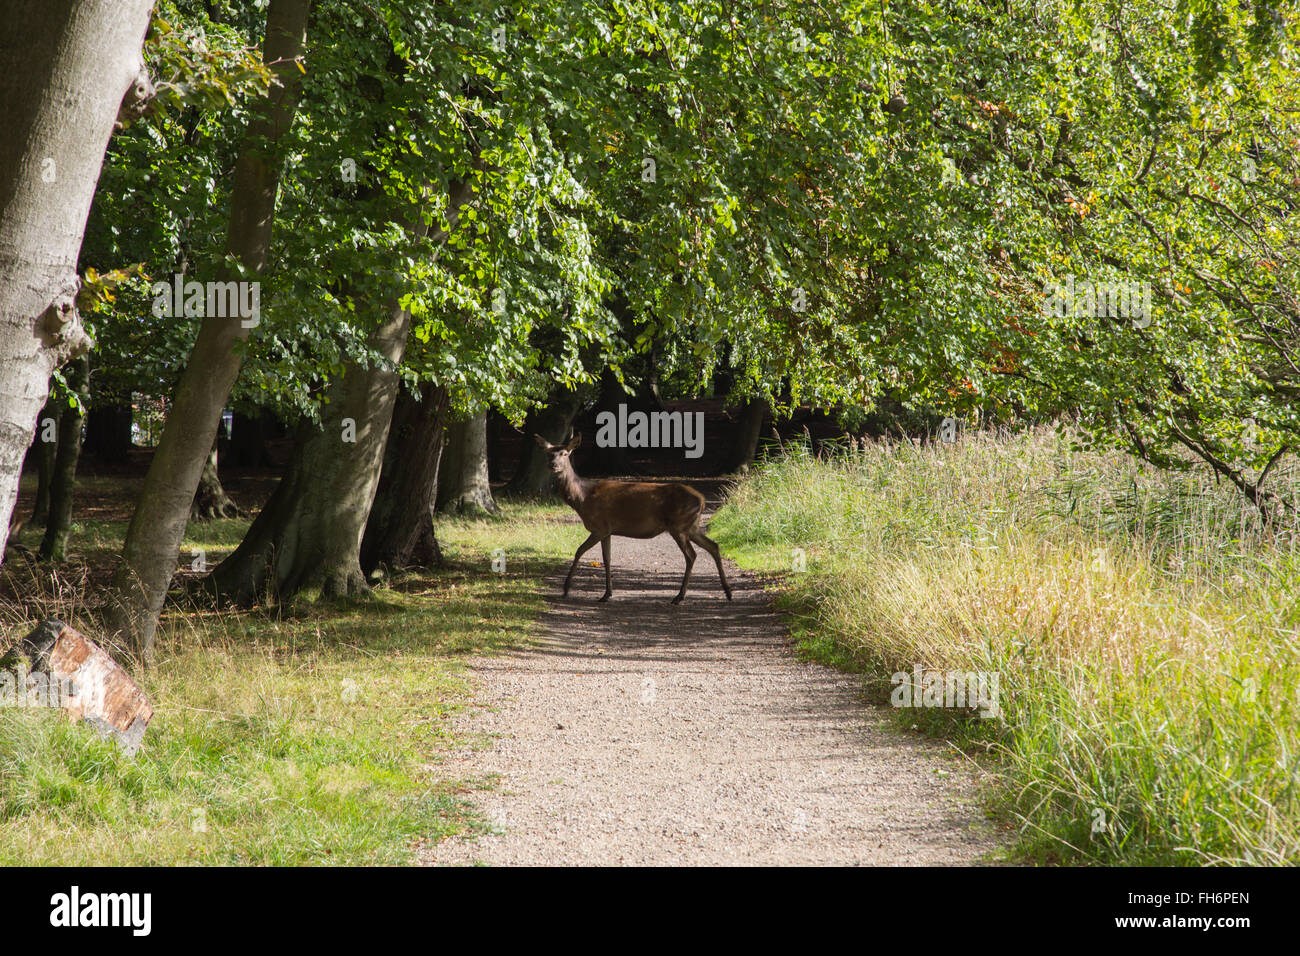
(633, 509)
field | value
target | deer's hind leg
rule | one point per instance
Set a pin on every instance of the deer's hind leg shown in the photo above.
(604, 554)
(689, 554)
(711, 546)
(583, 549)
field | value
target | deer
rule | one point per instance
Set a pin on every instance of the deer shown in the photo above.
(631, 509)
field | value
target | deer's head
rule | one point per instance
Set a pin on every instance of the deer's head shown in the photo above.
(559, 454)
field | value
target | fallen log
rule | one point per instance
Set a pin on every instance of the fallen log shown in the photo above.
(94, 688)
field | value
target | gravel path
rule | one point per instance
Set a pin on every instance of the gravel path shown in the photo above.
(635, 732)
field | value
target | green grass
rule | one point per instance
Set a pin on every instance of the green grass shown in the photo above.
(307, 740)
(1145, 631)
(536, 538)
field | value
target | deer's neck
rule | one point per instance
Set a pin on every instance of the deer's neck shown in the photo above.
(573, 489)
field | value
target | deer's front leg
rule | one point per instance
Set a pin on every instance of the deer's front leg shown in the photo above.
(688, 553)
(604, 553)
(582, 549)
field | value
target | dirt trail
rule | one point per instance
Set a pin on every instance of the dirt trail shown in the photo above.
(636, 732)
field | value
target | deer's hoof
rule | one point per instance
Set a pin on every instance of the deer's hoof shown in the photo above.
(678, 599)
(604, 597)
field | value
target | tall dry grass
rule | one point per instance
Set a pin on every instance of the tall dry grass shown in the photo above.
(1144, 628)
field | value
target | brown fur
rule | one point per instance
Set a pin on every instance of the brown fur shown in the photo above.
(632, 509)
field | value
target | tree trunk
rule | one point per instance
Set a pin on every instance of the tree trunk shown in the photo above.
(65, 67)
(211, 500)
(399, 532)
(463, 486)
(46, 448)
(309, 534)
(157, 528)
(742, 452)
(533, 479)
(308, 537)
(54, 547)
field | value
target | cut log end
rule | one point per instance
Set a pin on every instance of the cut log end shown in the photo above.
(98, 690)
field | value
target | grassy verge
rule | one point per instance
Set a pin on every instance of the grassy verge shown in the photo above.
(312, 739)
(1143, 629)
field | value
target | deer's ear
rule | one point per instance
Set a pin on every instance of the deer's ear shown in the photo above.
(546, 446)
(574, 442)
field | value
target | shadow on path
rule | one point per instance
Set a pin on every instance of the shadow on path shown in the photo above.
(640, 732)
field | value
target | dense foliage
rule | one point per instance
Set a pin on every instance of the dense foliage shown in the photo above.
(840, 203)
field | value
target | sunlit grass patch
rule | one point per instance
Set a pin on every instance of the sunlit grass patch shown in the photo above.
(308, 739)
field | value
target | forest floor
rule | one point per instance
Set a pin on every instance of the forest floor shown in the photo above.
(638, 732)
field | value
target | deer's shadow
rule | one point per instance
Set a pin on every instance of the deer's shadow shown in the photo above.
(640, 622)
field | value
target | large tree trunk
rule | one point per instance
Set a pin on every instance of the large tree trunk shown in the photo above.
(534, 479)
(157, 528)
(741, 454)
(308, 537)
(399, 532)
(463, 485)
(65, 67)
(211, 500)
(54, 547)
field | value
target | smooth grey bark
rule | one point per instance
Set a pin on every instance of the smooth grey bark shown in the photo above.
(399, 532)
(63, 483)
(153, 539)
(67, 67)
(463, 485)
